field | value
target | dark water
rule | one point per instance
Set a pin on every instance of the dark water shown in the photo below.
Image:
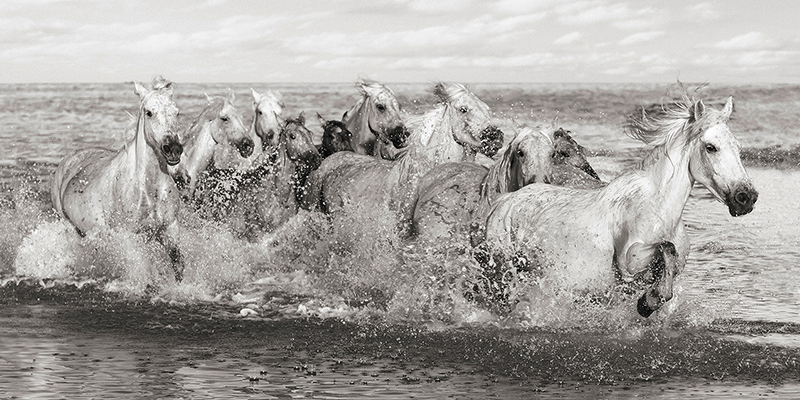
(345, 309)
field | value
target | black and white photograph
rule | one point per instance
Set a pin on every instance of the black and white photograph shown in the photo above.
(399, 199)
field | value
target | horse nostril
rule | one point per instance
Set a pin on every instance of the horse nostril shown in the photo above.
(246, 147)
(742, 198)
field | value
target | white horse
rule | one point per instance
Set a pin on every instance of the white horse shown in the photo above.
(217, 137)
(267, 118)
(630, 232)
(376, 115)
(451, 132)
(451, 195)
(129, 188)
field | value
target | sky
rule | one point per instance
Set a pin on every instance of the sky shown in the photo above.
(716, 41)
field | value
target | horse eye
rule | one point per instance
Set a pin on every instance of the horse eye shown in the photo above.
(380, 107)
(292, 136)
(224, 119)
(259, 112)
(711, 148)
(520, 153)
(463, 110)
(564, 154)
(149, 113)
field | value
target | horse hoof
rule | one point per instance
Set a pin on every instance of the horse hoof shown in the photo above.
(642, 307)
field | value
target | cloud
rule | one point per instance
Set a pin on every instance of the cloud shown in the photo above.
(568, 38)
(640, 37)
(437, 5)
(587, 13)
(760, 58)
(524, 6)
(479, 30)
(748, 40)
(702, 12)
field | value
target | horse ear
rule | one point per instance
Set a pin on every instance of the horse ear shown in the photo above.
(138, 89)
(441, 92)
(231, 95)
(321, 119)
(728, 109)
(699, 109)
(208, 98)
(256, 96)
(553, 124)
(301, 118)
(344, 116)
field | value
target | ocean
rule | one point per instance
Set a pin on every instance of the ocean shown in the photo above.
(343, 308)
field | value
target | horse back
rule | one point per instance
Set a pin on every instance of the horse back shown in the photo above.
(80, 163)
(447, 198)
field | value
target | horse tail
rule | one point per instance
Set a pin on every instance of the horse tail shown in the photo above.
(64, 173)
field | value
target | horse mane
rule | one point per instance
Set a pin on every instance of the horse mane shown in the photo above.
(210, 111)
(506, 175)
(679, 119)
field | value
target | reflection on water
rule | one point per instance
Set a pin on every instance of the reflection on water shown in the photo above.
(135, 351)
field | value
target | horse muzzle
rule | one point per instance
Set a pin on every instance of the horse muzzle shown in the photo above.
(172, 150)
(398, 136)
(245, 147)
(741, 200)
(491, 140)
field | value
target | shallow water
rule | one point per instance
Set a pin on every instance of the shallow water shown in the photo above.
(345, 309)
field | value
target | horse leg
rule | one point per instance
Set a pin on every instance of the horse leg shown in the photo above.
(663, 266)
(169, 238)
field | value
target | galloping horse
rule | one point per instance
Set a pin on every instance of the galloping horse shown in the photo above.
(267, 111)
(451, 195)
(263, 198)
(347, 179)
(335, 137)
(217, 132)
(129, 188)
(376, 115)
(630, 232)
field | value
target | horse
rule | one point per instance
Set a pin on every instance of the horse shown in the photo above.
(629, 233)
(130, 188)
(335, 137)
(263, 198)
(346, 180)
(453, 195)
(215, 133)
(267, 111)
(376, 115)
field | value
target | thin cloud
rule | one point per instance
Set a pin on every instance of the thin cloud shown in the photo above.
(748, 40)
(568, 38)
(640, 37)
(593, 14)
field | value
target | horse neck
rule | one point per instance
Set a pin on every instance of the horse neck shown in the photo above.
(143, 164)
(670, 183)
(495, 182)
(199, 149)
(441, 143)
(358, 123)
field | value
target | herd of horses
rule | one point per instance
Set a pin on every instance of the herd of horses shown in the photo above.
(537, 208)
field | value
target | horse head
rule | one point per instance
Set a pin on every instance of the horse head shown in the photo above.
(380, 113)
(715, 161)
(158, 119)
(299, 146)
(528, 159)
(268, 108)
(471, 118)
(335, 136)
(568, 151)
